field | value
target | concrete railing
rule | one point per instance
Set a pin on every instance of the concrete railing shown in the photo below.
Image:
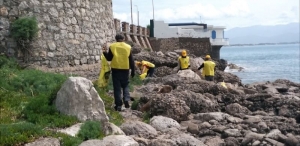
(133, 33)
(220, 41)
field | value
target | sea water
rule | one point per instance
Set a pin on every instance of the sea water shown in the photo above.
(264, 62)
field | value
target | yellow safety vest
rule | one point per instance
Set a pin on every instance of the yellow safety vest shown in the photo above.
(209, 68)
(121, 52)
(184, 62)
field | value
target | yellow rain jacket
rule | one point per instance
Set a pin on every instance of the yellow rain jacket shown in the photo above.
(104, 72)
(148, 65)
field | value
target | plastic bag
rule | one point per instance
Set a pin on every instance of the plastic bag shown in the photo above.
(143, 76)
(104, 73)
(223, 84)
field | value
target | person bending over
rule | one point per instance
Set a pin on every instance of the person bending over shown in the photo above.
(208, 68)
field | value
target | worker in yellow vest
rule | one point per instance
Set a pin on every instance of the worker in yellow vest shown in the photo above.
(184, 61)
(208, 68)
(146, 67)
(119, 53)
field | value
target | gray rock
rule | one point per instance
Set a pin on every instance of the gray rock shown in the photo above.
(162, 142)
(44, 142)
(256, 143)
(274, 142)
(138, 128)
(186, 140)
(73, 130)
(112, 129)
(273, 134)
(218, 116)
(193, 128)
(204, 125)
(236, 109)
(232, 133)
(169, 106)
(251, 136)
(161, 123)
(216, 141)
(79, 92)
(112, 140)
(231, 141)
(292, 140)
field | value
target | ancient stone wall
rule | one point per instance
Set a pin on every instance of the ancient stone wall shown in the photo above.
(71, 32)
(196, 46)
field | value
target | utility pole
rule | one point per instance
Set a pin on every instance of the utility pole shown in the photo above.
(138, 17)
(153, 9)
(131, 11)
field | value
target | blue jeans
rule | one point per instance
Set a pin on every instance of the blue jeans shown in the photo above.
(120, 82)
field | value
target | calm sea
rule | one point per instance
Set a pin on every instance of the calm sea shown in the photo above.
(264, 62)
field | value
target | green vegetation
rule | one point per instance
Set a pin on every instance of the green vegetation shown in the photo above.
(27, 107)
(24, 30)
(146, 117)
(28, 112)
(19, 133)
(135, 104)
(91, 130)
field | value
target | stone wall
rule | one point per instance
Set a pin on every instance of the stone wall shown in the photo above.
(196, 46)
(71, 34)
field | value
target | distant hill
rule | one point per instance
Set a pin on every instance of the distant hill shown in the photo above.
(264, 34)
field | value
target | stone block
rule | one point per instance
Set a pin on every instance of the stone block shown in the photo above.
(3, 11)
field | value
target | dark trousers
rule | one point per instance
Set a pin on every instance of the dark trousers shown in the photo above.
(120, 83)
(150, 72)
(209, 78)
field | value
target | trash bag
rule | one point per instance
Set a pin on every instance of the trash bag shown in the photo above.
(223, 84)
(143, 76)
(104, 73)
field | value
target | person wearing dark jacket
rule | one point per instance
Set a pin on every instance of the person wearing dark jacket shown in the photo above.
(119, 53)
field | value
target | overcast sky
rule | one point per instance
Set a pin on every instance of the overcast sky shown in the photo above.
(228, 13)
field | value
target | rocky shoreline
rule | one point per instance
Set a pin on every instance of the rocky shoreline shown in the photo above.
(189, 111)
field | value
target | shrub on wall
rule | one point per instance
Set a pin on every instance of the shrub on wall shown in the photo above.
(24, 30)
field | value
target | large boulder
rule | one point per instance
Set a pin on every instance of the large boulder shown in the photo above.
(78, 97)
(237, 110)
(162, 123)
(221, 76)
(112, 140)
(163, 71)
(197, 103)
(138, 128)
(221, 64)
(169, 106)
(188, 74)
(196, 63)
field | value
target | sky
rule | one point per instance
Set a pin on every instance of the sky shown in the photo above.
(228, 13)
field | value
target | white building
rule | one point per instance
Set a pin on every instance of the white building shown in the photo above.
(194, 30)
